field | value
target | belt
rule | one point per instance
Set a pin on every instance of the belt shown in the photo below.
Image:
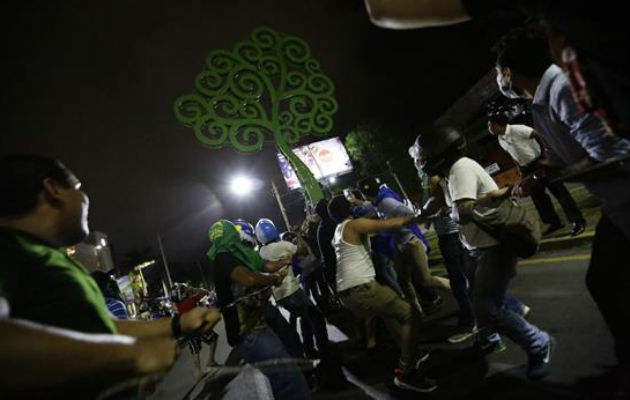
(357, 288)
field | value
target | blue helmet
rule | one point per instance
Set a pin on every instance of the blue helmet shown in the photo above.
(266, 231)
(246, 231)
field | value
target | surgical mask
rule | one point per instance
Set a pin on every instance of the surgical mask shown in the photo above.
(504, 81)
(419, 161)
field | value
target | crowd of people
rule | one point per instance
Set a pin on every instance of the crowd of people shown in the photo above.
(360, 252)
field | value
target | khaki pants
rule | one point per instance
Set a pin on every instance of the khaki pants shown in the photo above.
(374, 299)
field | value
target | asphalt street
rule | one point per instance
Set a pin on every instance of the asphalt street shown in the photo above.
(552, 284)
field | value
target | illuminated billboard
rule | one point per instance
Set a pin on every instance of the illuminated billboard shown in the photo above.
(326, 158)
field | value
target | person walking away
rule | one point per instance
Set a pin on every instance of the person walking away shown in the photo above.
(524, 145)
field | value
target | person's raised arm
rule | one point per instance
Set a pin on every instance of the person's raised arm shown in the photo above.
(589, 131)
(35, 357)
(367, 226)
(409, 14)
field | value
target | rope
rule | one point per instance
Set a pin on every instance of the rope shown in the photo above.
(246, 297)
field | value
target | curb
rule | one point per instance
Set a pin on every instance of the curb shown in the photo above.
(547, 244)
(564, 242)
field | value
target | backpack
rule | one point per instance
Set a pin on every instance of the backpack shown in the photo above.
(512, 225)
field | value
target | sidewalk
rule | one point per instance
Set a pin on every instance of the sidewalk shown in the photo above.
(561, 239)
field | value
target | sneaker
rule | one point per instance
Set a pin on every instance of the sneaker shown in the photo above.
(415, 382)
(525, 311)
(539, 365)
(578, 228)
(462, 336)
(552, 228)
(423, 355)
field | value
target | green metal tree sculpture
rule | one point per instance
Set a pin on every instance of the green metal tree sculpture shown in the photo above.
(267, 89)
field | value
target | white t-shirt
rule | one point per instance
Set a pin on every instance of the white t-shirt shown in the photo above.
(354, 264)
(273, 252)
(518, 143)
(468, 180)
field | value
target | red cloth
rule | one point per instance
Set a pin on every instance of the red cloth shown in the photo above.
(188, 304)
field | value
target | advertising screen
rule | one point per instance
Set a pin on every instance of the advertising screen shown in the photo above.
(324, 159)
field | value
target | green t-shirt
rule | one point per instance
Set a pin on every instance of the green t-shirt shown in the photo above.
(43, 284)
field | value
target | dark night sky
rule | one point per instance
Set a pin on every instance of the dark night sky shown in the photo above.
(93, 83)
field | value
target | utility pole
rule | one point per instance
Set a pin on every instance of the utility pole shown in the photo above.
(164, 261)
(274, 189)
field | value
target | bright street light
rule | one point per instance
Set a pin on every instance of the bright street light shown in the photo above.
(241, 185)
(332, 179)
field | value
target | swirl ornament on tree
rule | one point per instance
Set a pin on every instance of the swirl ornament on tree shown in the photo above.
(268, 88)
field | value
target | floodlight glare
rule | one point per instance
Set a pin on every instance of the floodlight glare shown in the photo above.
(332, 179)
(241, 185)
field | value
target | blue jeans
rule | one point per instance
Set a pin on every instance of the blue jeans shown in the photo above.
(496, 266)
(287, 381)
(311, 320)
(453, 253)
(513, 304)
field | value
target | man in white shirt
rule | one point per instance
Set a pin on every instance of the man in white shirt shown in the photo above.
(524, 145)
(470, 190)
(361, 294)
(289, 294)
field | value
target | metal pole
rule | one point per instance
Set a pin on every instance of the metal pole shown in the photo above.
(164, 288)
(326, 185)
(400, 186)
(274, 189)
(168, 272)
(203, 276)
